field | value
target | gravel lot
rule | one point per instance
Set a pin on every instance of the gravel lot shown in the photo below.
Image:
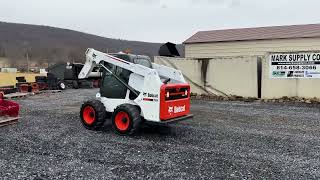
(229, 140)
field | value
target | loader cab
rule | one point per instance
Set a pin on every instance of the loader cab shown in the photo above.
(110, 86)
(72, 70)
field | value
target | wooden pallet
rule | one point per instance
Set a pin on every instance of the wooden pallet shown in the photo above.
(15, 95)
(34, 93)
(51, 91)
(5, 121)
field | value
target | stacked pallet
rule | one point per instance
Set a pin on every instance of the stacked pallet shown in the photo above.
(9, 112)
(6, 120)
(15, 95)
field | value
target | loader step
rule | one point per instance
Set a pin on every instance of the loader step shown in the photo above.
(5, 121)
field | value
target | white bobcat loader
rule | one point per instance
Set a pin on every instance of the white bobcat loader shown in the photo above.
(134, 90)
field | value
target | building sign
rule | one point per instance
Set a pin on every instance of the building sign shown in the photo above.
(295, 65)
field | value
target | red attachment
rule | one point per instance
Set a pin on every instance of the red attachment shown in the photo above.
(177, 104)
(34, 87)
(24, 88)
(42, 86)
(89, 115)
(122, 121)
(96, 83)
(8, 108)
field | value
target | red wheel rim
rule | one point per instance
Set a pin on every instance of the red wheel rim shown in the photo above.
(122, 121)
(89, 115)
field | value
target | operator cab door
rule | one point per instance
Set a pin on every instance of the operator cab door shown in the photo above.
(111, 87)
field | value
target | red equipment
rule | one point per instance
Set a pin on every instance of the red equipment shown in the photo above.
(9, 111)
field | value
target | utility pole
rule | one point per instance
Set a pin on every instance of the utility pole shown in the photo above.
(27, 60)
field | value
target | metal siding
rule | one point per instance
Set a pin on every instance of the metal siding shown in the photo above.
(241, 81)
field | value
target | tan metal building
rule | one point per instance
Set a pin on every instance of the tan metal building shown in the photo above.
(253, 41)
(236, 61)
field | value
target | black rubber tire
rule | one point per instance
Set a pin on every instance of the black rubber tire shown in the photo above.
(75, 84)
(100, 114)
(135, 119)
(62, 85)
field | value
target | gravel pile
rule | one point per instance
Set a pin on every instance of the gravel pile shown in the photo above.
(225, 140)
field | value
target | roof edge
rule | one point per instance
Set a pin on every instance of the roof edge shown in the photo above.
(247, 40)
(192, 39)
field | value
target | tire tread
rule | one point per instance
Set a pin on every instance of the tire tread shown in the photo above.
(100, 112)
(134, 114)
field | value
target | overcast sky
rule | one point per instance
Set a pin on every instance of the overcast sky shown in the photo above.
(158, 20)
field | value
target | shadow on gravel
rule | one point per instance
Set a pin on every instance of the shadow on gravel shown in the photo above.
(165, 130)
(145, 130)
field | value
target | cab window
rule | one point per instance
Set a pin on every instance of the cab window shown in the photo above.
(122, 56)
(143, 61)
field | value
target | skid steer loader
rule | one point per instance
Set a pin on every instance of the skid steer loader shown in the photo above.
(133, 91)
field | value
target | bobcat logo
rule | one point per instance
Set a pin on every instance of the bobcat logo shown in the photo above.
(170, 109)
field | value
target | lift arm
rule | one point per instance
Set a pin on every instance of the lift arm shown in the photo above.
(95, 58)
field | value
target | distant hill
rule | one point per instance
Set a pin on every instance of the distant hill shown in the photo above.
(43, 44)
